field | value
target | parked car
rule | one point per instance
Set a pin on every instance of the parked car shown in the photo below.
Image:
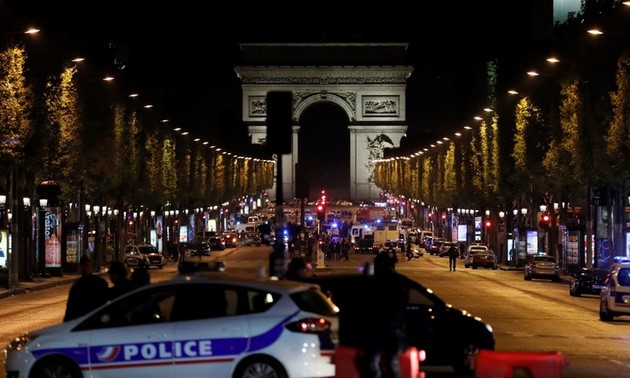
(614, 298)
(193, 324)
(484, 259)
(216, 243)
(250, 238)
(391, 245)
(544, 267)
(448, 335)
(201, 249)
(434, 245)
(136, 254)
(587, 281)
(230, 239)
(471, 250)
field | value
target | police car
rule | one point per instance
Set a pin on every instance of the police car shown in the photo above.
(614, 297)
(209, 324)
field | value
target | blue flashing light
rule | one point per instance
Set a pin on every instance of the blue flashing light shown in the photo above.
(334, 225)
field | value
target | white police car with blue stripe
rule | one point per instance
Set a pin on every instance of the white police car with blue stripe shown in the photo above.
(195, 325)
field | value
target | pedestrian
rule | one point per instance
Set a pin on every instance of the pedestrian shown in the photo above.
(87, 293)
(386, 339)
(297, 269)
(140, 275)
(119, 276)
(453, 254)
(409, 254)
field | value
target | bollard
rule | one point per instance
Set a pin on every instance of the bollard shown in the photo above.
(347, 362)
(492, 364)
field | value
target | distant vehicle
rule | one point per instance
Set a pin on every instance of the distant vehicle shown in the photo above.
(391, 245)
(366, 245)
(484, 259)
(246, 227)
(230, 239)
(250, 238)
(544, 267)
(201, 249)
(216, 243)
(445, 247)
(147, 254)
(422, 236)
(587, 281)
(436, 243)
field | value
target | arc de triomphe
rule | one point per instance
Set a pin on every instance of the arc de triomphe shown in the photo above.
(372, 97)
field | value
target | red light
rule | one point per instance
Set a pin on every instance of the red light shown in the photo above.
(545, 218)
(320, 208)
(488, 224)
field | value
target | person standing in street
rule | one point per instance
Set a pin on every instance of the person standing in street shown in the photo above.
(386, 340)
(140, 275)
(87, 293)
(453, 254)
(119, 276)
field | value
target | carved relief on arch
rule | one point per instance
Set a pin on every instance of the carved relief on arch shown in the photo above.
(345, 100)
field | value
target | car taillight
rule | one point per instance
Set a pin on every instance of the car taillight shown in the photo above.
(309, 325)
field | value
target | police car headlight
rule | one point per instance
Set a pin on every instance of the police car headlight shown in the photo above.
(19, 342)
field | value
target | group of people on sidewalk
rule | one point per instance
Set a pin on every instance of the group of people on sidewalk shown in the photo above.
(90, 290)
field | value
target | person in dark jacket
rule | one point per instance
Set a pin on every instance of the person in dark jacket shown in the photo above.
(297, 269)
(140, 275)
(119, 276)
(87, 293)
(386, 340)
(453, 254)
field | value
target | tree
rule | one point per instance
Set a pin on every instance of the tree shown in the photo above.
(64, 120)
(15, 112)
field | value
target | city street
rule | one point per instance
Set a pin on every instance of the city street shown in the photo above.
(527, 316)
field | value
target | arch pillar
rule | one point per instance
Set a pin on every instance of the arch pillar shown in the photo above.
(367, 144)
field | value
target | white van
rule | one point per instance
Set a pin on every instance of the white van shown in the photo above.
(422, 236)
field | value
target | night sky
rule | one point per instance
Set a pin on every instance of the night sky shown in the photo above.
(180, 55)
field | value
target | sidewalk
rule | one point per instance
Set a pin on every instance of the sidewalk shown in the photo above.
(40, 283)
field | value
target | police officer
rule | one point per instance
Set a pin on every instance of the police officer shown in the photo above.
(452, 257)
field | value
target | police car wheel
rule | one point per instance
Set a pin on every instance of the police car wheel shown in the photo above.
(259, 367)
(56, 368)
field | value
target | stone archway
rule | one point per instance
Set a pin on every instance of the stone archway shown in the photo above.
(373, 98)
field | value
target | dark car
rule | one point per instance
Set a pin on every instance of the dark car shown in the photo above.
(230, 239)
(201, 249)
(484, 259)
(449, 336)
(587, 281)
(216, 243)
(542, 266)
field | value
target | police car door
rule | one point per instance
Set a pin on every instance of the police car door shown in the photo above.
(133, 336)
(210, 330)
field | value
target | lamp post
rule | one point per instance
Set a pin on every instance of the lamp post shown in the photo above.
(98, 261)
